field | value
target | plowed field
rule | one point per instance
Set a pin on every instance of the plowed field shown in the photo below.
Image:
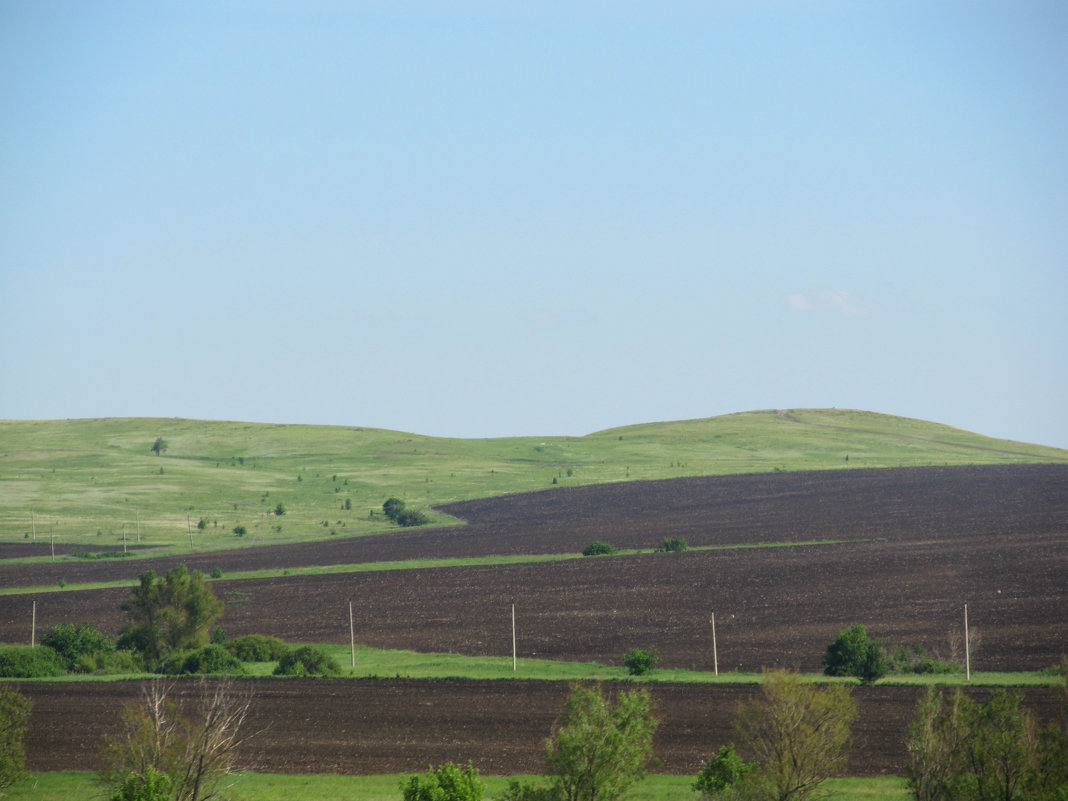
(921, 542)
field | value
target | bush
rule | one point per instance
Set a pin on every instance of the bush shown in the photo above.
(674, 544)
(598, 548)
(257, 648)
(445, 783)
(280, 509)
(24, 662)
(240, 531)
(853, 654)
(720, 776)
(149, 786)
(411, 517)
(72, 643)
(639, 661)
(307, 661)
(209, 659)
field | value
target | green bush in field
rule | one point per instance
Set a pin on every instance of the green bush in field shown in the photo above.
(257, 648)
(25, 662)
(853, 654)
(673, 545)
(598, 548)
(639, 661)
(149, 786)
(447, 782)
(213, 659)
(307, 661)
(722, 775)
(412, 517)
(72, 643)
(14, 711)
(392, 507)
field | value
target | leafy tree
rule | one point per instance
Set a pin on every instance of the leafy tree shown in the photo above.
(600, 749)
(392, 507)
(598, 548)
(639, 660)
(853, 654)
(307, 661)
(214, 659)
(447, 782)
(963, 750)
(14, 712)
(193, 746)
(169, 614)
(280, 509)
(159, 446)
(798, 732)
(724, 776)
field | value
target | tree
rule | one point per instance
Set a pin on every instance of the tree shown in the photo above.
(600, 749)
(195, 747)
(963, 750)
(638, 661)
(159, 446)
(673, 544)
(168, 615)
(75, 644)
(14, 712)
(392, 507)
(853, 654)
(307, 661)
(445, 783)
(798, 732)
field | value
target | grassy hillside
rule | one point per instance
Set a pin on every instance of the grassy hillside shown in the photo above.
(85, 480)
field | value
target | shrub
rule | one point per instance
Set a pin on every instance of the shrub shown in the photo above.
(853, 654)
(149, 786)
(639, 661)
(412, 517)
(307, 661)
(720, 775)
(598, 548)
(257, 648)
(14, 711)
(209, 659)
(216, 572)
(280, 509)
(240, 531)
(24, 662)
(72, 643)
(674, 544)
(445, 783)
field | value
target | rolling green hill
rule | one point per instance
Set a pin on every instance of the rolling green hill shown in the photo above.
(84, 481)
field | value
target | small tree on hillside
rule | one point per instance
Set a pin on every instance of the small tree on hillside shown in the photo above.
(445, 783)
(159, 446)
(600, 749)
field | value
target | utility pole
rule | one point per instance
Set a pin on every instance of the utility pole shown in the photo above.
(33, 626)
(189, 528)
(513, 635)
(352, 635)
(967, 654)
(52, 542)
(33, 526)
(715, 656)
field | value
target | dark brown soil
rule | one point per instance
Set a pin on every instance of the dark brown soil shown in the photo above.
(367, 726)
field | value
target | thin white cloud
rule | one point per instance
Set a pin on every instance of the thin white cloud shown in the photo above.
(833, 301)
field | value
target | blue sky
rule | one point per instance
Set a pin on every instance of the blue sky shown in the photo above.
(487, 219)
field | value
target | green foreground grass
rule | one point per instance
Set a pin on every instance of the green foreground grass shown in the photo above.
(88, 482)
(66, 785)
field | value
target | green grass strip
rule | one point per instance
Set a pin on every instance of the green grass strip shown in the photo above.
(64, 785)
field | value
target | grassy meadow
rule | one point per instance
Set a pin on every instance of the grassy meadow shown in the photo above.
(65, 785)
(98, 482)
